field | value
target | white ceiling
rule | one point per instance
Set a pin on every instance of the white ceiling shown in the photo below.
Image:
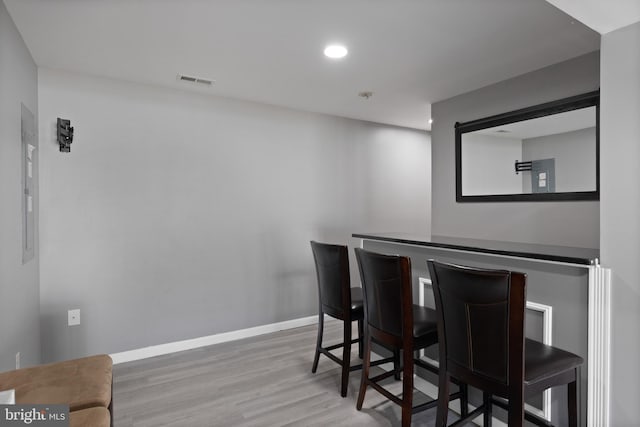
(602, 15)
(568, 121)
(410, 53)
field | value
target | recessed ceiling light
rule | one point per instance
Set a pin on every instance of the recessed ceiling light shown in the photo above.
(430, 121)
(335, 51)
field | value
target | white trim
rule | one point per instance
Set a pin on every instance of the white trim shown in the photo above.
(424, 282)
(547, 320)
(161, 349)
(547, 338)
(599, 353)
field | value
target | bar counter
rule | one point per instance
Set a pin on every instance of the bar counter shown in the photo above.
(562, 254)
(567, 302)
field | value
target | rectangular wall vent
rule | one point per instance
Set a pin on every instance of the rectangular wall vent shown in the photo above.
(199, 80)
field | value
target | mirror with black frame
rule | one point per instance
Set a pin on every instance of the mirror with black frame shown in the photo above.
(547, 152)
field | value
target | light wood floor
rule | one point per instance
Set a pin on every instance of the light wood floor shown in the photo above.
(260, 381)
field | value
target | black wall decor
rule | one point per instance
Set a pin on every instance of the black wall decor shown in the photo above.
(65, 135)
(586, 100)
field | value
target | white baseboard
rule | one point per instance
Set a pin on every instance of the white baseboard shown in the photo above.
(173, 347)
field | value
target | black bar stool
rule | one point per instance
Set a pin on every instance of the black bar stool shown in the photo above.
(391, 318)
(339, 300)
(482, 343)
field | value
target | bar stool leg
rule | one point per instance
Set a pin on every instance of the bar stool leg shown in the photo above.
(396, 364)
(488, 410)
(443, 399)
(365, 371)
(572, 399)
(516, 410)
(464, 400)
(346, 356)
(360, 339)
(318, 341)
(407, 387)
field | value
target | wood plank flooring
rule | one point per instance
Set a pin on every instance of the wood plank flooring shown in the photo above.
(260, 381)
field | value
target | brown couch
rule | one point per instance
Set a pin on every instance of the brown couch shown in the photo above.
(85, 384)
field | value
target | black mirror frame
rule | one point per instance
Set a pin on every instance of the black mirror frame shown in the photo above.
(585, 100)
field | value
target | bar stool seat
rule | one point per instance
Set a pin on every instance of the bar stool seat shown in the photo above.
(543, 362)
(357, 303)
(425, 325)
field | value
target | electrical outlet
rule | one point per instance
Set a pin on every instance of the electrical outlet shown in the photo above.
(18, 360)
(74, 317)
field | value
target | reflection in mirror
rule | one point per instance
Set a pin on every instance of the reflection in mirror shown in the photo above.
(554, 154)
(545, 152)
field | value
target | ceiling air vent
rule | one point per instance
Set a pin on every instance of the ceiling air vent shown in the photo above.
(191, 79)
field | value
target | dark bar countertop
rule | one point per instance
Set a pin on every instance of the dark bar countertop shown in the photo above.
(564, 254)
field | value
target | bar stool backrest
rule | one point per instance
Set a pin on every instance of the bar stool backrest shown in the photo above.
(334, 282)
(480, 324)
(386, 285)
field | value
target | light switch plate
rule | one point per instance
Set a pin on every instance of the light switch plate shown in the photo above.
(74, 317)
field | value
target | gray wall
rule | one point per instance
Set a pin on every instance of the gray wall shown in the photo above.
(178, 215)
(487, 164)
(620, 212)
(575, 158)
(560, 223)
(19, 300)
